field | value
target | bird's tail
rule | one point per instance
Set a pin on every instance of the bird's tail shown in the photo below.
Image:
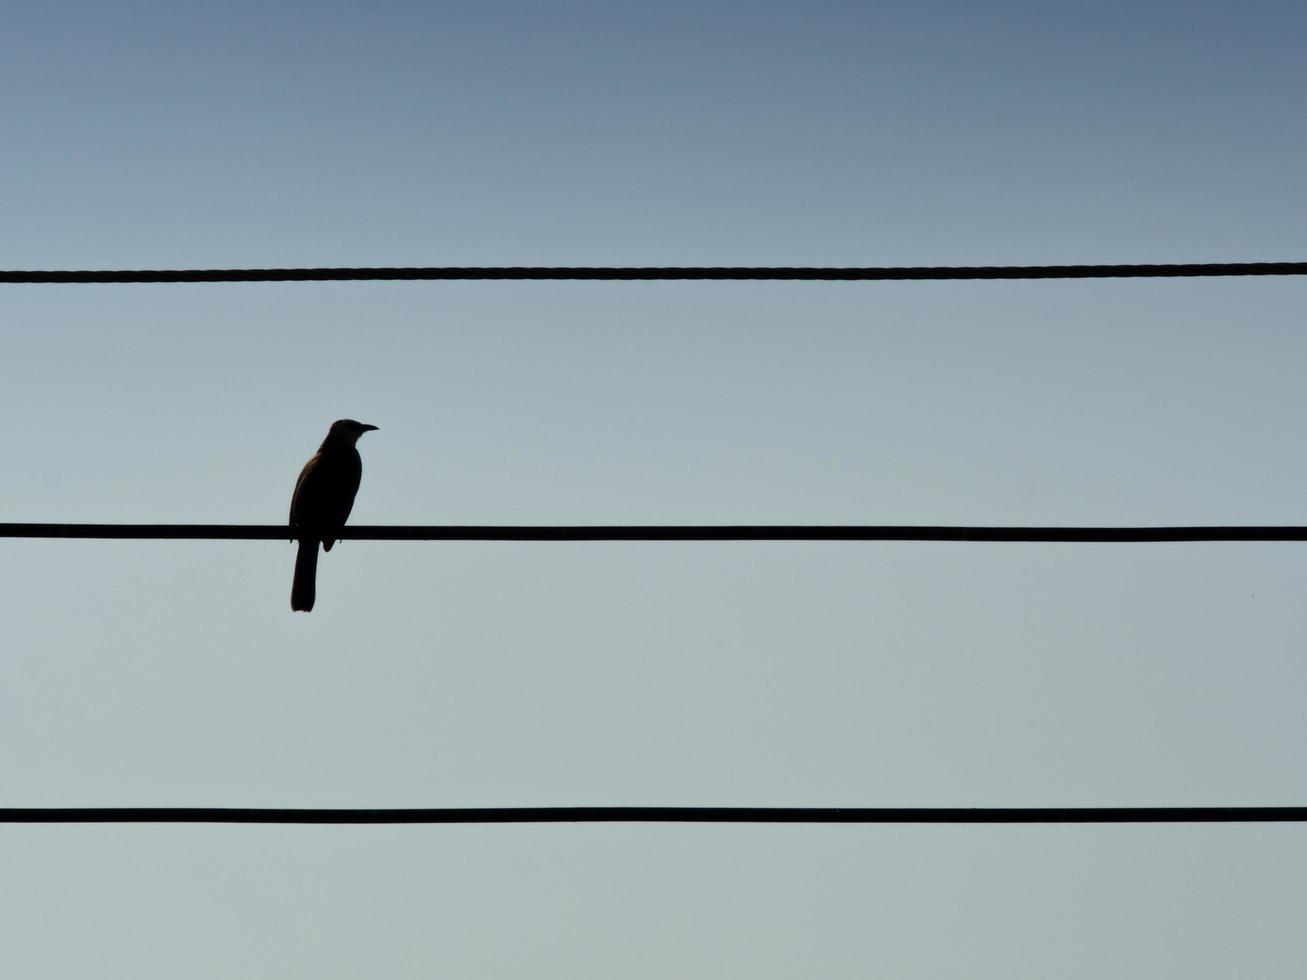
(306, 571)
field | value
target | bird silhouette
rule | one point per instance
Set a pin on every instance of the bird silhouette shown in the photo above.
(323, 498)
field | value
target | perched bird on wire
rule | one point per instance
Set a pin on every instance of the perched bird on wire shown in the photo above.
(324, 495)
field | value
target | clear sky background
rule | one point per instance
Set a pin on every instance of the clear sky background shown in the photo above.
(173, 673)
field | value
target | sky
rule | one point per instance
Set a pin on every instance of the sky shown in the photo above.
(153, 673)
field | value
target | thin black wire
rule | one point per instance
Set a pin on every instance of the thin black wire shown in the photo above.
(841, 273)
(661, 814)
(661, 532)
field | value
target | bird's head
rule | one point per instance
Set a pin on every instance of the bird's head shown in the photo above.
(347, 431)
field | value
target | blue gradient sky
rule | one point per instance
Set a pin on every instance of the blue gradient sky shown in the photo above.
(158, 673)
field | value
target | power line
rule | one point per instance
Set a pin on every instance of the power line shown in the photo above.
(793, 273)
(668, 532)
(661, 814)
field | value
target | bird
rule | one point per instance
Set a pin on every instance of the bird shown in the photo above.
(323, 498)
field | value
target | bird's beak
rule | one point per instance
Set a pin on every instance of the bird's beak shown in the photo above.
(369, 428)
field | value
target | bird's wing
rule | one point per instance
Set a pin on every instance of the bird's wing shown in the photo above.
(299, 499)
(324, 493)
